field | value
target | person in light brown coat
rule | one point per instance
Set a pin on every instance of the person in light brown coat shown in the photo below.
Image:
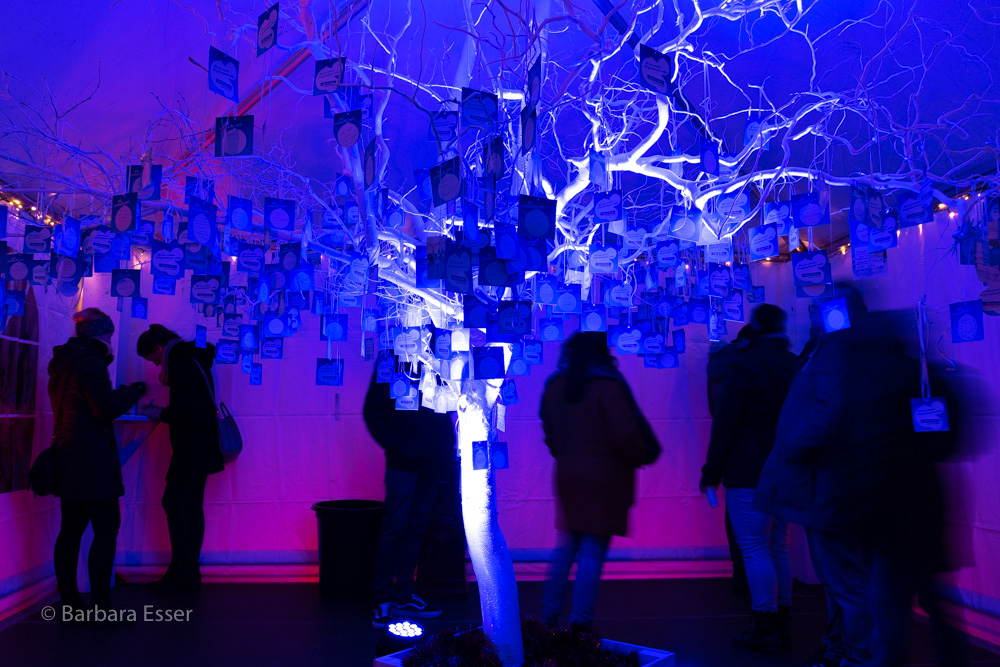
(599, 438)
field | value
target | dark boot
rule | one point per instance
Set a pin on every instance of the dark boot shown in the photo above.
(762, 636)
(784, 613)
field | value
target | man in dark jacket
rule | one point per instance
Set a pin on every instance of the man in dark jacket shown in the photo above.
(88, 476)
(720, 358)
(194, 438)
(845, 421)
(419, 446)
(743, 426)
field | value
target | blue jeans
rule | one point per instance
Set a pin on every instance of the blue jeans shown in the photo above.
(843, 564)
(763, 540)
(590, 551)
(409, 504)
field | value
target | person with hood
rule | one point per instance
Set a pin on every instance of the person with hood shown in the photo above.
(743, 426)
(419, 448)
(86, 464)
(194, 438)
(598, 437)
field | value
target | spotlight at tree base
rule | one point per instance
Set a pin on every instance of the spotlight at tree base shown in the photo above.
(398, 636)
(405, 629)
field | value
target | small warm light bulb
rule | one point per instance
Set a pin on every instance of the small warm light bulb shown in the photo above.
(942, 206)
(953, 215)
(34, 208)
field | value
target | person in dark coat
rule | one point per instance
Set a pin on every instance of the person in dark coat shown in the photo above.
(419, 448)
(88, 476)
(743, 427)
(598, 437)
(194, 438)
(843, 425)
(720, 358)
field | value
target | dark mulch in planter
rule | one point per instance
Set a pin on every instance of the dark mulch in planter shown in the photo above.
(574, 646)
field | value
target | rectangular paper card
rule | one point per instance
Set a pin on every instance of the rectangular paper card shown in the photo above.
(200, 336)
(279, 214)
(409, 401)
(487, 363)
(223, 74)
(330, 372)
(568, 300)
(234, 136)
(328, 75)
(536, 217)
(811, 268)
(124, 212)
(966, 321)
(479, 109)
(533, 351)
(929, 414)
(458, 269)
(272, 348)
(206, 289)
(603, 259)
(594, 318)
(140, 307)
(679, 340)
(125, 282)
(720, 279)
(763, 242)
(267, 30)
(164, 286)
(480, 455)
(514, 318)
(475, 313)
(779, 214)
(808, 210)
(227, 351)
(551, 329)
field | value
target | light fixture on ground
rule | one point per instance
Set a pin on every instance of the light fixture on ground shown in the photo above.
(398, 636)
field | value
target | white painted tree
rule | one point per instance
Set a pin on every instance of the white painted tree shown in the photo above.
(702, 118)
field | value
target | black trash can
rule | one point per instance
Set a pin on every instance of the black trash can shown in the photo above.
(348, 537)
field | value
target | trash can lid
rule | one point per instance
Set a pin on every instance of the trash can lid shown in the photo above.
(347, 505)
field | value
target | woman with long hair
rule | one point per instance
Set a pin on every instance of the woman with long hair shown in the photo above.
(88, 476)
(599, 438)
(194, 438)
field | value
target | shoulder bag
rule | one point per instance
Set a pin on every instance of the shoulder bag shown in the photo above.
(230, 440)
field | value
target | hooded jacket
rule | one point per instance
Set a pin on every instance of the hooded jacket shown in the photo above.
(191, 414)
(85, 452)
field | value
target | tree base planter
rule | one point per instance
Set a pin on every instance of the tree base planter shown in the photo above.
(567, 646)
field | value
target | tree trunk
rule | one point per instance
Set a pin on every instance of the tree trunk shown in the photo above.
(490, 557)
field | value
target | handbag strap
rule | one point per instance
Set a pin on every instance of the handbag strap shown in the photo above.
(211, 390)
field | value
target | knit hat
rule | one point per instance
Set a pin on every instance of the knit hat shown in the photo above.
(95, 328)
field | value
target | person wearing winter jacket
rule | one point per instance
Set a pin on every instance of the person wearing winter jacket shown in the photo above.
(844, 427)
(599, 438)
(194, 438)
(88, 477)
(419, 448)
(743, 426)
